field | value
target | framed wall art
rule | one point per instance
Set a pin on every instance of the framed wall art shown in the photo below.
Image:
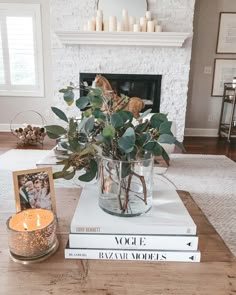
(224, 72)
(226, 41)
(34, 188)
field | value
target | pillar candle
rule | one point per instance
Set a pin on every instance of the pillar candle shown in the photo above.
(158, 28)
(85, 27)
(98, 23)
(125, 20)
(143, 24)
(150, 26)
(105, 26)
(120, 27)
(124, 12)
(136, 28)
(91, 25)
(132, 21)
(148, 15)
(112, 24)
(99, 13)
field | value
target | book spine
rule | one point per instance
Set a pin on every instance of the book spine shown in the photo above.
(140, 242)
(142, 255)
(157, 230)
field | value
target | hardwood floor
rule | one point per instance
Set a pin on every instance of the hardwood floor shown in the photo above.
(213, 146)
(193, 145)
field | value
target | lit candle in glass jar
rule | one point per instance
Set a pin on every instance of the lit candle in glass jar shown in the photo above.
(32, 234)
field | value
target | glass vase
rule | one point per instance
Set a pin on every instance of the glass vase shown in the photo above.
(125, 187)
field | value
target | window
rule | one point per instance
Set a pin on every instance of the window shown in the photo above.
(21, 62)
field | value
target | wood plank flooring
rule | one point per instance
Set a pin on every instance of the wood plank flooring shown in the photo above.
(193, 145)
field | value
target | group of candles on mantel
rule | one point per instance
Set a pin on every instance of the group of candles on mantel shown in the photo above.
(128, 23)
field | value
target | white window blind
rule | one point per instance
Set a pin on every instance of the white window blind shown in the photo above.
(2, 76)
(21, 69)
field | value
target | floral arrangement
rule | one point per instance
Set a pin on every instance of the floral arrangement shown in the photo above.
(107, 129)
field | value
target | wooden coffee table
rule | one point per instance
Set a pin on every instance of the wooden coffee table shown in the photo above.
(215, 275)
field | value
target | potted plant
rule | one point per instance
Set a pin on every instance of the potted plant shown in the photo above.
(110, 144)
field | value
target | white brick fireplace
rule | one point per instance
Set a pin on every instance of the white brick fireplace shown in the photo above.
(171, 62)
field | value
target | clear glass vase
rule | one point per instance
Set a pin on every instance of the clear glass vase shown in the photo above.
(125, 186)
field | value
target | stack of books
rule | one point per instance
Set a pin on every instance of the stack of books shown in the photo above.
(166, 233)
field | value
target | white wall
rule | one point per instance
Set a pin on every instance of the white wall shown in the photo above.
(10, 106)
(172, 63)
(203, 110)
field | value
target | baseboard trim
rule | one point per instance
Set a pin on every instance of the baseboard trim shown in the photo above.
(5, 128)
(201, 132)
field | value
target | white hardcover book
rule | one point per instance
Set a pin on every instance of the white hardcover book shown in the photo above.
(168, 216)
(134, 242)
(138, 255)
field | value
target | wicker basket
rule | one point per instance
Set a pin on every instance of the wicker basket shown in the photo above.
(28, 133)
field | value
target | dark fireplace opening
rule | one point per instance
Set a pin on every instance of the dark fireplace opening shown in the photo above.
(147, 87)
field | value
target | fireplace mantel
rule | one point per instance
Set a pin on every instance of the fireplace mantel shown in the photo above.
(162, 39)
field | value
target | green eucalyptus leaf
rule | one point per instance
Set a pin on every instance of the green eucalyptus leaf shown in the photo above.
(109, 131)
(127, 141)
(90, 173)
(60, 114)
(144, 114)
(96, 91)
(59, 174)
(116, 120)
(82, 102)
(96, 101)
(141, 127)
(165, 128)
(157, 119)
(154, 147)
(64, 174)
(69, 97)
(166, 138)
(64, 144)
(120, 118)
(180, 145)
(72, 131)
(125, 169)
(52, 135)
(64, 90)
(89, 125)
(143, 138)
(165, 156)
(56, 130)
(88, 112)
(98, 114)
(69, 175)
(81, 124)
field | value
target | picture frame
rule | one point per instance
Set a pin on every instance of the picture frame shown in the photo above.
(34, 188)
(224, 72)
(226, 39)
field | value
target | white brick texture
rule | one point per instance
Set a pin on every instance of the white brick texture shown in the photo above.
(172, 63)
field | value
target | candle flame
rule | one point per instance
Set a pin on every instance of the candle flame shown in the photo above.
(38, 220)
(25, 226)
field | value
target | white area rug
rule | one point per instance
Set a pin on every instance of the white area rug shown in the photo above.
(20, 159)
(210, 180)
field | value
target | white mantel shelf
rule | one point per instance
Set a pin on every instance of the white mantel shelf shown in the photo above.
(162, 39)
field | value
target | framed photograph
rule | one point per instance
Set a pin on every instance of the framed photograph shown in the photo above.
(226, 41)
(34, 189)
(224, 72)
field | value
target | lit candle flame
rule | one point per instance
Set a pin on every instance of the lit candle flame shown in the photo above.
(38, 220)
(25, 226)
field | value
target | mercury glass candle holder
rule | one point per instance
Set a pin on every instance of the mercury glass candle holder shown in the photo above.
(32, 234)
